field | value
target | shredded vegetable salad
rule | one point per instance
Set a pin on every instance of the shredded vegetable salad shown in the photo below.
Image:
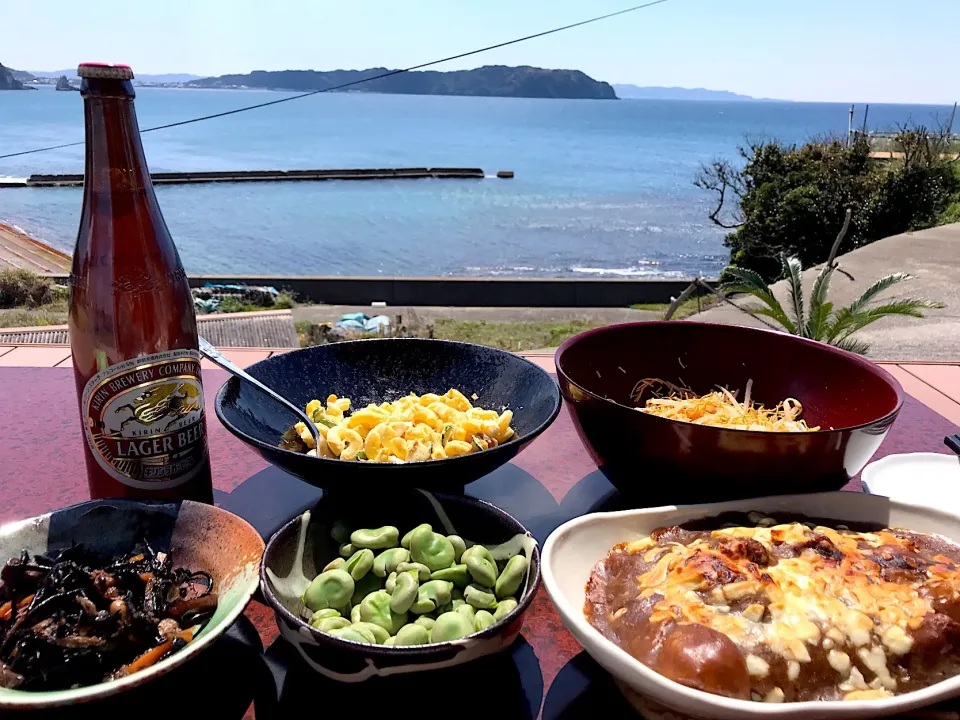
(719, 408)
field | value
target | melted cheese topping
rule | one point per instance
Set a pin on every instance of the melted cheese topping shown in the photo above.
(834, 597)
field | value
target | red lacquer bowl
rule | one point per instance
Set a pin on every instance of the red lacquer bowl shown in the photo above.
(658, 461)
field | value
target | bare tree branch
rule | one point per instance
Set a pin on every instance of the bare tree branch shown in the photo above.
(722, 178)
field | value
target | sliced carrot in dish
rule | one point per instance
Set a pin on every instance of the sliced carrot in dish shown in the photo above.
(153, 655)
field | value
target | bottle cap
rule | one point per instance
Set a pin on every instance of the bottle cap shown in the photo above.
(105, 71)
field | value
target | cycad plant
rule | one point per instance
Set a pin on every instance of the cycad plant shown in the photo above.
(817, 319)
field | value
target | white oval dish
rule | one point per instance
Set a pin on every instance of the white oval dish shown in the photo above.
(575, 547)
(931, 479)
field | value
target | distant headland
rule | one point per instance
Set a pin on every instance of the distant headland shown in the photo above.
(8, 80)
(488, 81)
(635, 92)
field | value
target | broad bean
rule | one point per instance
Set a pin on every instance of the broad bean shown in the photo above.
(355, 614)
(480, 597)
(375, 609)
(422, 569)
(467, 610)
(320, 615)
(482, 566)
(509, 581)
(352, 632)
(346, 550)
(367, 584)
(412, 634)
(459, 546)
(504, 608)
(376, 539)
(405, 540)
(405, 593)
(387, 561)
(329, 624)
(424, 621)
(379, 634)
(431, 595)
(457, 574)
(391, 583)
(333, 588)
(450, 626)
(432, 549)
(482, 620)
(359, 564)
(334, 564)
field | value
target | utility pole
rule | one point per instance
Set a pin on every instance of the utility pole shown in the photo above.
(850, 127)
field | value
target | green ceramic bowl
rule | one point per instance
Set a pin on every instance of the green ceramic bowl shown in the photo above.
(200, 537)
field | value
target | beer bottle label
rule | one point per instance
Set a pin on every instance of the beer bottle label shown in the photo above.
(144, 419)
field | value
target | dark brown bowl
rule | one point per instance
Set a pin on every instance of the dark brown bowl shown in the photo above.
(658, 461)
(347, 661)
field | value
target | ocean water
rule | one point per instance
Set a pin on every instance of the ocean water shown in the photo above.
(602, 188)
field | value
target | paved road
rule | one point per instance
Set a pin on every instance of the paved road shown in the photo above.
(19, 251)
(931, 256)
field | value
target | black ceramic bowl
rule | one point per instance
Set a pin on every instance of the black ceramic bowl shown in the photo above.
(347, 661)
(376, 371)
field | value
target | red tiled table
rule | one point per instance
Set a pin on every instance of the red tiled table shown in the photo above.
(41, 469)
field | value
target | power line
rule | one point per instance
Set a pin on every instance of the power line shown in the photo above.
(362, 80)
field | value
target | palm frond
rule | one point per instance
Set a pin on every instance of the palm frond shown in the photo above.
(743, 280)
(747, 281)
(855, 346)
(884, 283)
(819, 314)
(911, 307)
(793, 271)
(840, 321)
(908, 307)
(818, 320)
(774, 312)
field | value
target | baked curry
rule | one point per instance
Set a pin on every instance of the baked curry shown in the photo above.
(784, 611)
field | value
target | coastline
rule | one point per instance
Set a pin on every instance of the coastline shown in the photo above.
(19, 250)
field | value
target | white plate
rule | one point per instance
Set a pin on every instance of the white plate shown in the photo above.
(930, 479)
(573, 549)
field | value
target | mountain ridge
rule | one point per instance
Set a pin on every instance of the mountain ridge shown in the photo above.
(486, 81)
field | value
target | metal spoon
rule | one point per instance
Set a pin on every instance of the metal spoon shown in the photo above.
(214, 355)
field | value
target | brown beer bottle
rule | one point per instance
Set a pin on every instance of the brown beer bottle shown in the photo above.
(133, 330)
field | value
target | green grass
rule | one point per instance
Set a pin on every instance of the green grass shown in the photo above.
(231, 304)
(31, 318)
(687, 308)
(512, 336)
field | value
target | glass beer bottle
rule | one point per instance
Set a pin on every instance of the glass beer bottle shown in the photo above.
(133, 330)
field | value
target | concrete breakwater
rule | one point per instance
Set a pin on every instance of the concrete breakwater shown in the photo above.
(230, 176)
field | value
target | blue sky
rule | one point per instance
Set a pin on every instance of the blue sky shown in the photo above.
(828, 50)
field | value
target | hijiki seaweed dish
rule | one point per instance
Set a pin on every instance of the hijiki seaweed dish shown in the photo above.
(74, 618)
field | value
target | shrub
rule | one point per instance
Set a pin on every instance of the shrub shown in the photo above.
(787, 200)
(284, 301)
(22, 288)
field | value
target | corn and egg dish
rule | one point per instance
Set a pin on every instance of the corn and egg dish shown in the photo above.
(410, 429)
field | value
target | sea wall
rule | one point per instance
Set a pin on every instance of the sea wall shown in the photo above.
(465, 292)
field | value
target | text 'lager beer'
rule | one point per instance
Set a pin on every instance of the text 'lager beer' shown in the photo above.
(133, 330)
